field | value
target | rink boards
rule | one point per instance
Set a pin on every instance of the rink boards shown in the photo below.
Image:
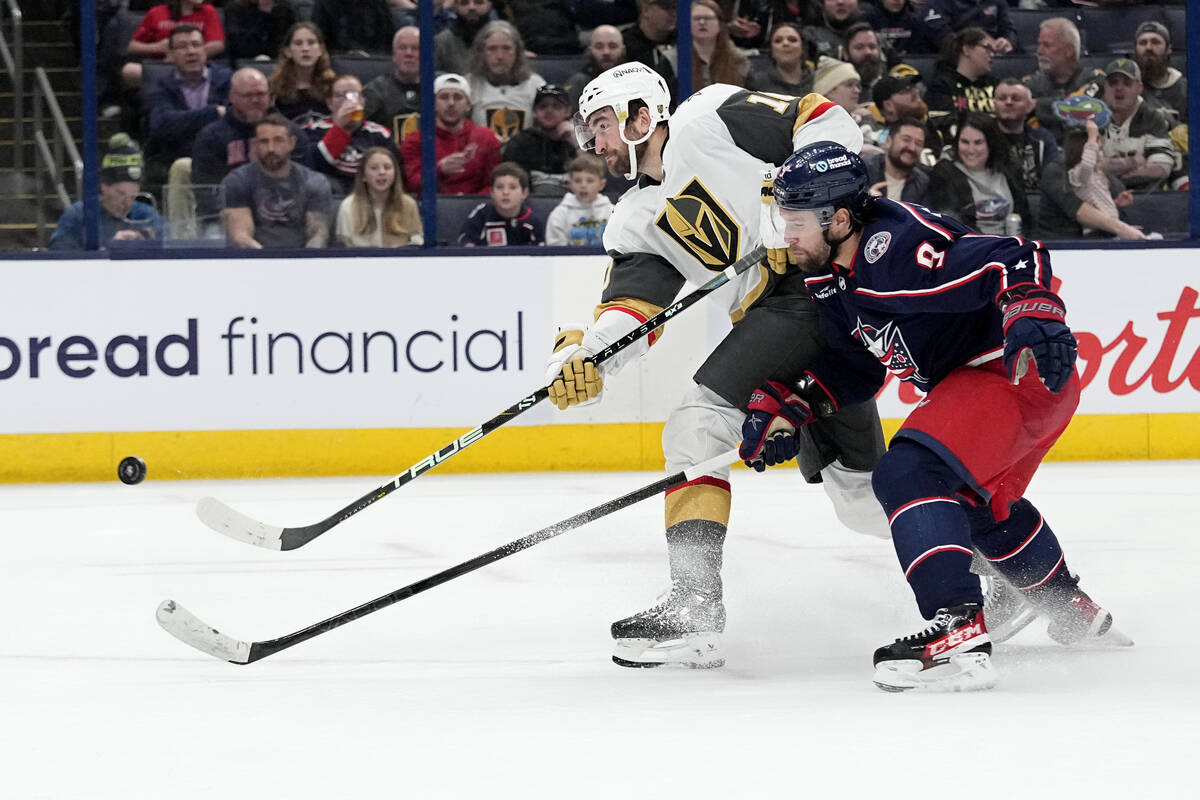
(325, 366)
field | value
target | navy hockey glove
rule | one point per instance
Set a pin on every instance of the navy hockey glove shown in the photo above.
(769, 431)
(1035, 329)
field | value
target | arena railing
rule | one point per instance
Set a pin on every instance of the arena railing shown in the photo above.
(50, 160)
(14, 63)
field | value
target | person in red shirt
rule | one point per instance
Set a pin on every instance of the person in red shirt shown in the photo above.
(150, 40)
(466, 153)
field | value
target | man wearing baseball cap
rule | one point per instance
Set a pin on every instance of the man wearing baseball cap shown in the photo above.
(897, 96)
(466, 153)
(545, 148)
(122, 216)
(1162, 83)
(1139, 150)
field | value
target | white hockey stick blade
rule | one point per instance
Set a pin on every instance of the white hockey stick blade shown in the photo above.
(236, 525)
(189, 629)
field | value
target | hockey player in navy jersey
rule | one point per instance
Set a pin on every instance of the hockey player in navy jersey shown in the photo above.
(972, 321)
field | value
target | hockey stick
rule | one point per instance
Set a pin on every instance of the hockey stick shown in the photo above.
(189, 629)
(236, 525)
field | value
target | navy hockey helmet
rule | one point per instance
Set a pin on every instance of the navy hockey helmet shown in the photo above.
(823, 177)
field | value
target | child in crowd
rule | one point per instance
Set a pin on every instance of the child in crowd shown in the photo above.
(580, 218)
(506, 220)
(378, 212)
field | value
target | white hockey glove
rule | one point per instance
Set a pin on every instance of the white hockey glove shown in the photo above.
(572, 377)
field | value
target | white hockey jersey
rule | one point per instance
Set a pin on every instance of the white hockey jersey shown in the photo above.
(706, 212)
(506, 110)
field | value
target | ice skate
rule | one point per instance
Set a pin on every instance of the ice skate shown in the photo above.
(1006, 611)
(952, 655)
(1080, 622)
(683, 629)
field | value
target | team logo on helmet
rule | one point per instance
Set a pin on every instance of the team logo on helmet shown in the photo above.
(876, 246)
(505, 122)
(700, 225)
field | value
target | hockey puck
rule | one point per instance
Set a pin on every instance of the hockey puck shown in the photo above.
(131, 470)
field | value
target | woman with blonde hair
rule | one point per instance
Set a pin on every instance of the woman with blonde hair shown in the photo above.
(715, 58)
(378, 212)
(302, 82)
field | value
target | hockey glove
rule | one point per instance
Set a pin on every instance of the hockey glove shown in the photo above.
(571, 376)
(769, 431)
(1035, 330)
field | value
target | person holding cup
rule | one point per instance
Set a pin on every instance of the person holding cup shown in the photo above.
(337, 143)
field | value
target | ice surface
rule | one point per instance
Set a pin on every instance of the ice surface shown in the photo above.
(498, 684)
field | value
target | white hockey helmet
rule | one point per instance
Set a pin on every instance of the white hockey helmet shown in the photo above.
(616, 88)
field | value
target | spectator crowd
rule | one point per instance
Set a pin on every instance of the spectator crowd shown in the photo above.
(295, 123)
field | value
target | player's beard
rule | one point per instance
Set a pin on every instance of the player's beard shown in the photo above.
(816, 261)
(619, 167)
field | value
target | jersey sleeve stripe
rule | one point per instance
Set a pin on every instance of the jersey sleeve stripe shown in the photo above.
(641, 318)
(945, 287)
(949, 236)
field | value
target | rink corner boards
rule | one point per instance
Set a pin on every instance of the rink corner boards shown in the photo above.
(177, 455)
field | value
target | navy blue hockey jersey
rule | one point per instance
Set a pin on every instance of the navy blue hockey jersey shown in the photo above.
(920, 295)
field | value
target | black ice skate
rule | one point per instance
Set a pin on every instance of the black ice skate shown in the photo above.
(951, 655)
(683, 629)
(1078, 621)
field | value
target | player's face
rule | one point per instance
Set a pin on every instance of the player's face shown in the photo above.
(379, 172)
(508, 195)
(606, 137)
(972, 148)
(805, 239)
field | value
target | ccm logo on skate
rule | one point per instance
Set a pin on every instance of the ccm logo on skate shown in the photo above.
(461, 443)
(955, 639)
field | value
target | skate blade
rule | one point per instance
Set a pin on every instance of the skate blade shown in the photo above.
(695, 651)
(965, 672)
(1106, 641)
(1012, 626)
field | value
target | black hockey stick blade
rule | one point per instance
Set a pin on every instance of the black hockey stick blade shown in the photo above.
(191, 630)
(236, 525)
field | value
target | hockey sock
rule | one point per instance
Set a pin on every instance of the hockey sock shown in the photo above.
(929, 526)
(696, 516)
(1024, 550)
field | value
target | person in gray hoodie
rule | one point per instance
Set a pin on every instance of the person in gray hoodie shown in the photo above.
(579, 220)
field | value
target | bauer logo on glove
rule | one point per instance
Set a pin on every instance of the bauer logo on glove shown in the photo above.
(774, 412)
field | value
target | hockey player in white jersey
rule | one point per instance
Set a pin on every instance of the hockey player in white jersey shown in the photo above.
(695, 210)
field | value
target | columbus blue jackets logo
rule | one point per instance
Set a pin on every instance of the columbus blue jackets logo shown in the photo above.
(695, 220)
(887, 345)
(876, 246)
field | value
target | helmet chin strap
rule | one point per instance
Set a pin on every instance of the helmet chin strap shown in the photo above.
(834, 244)
(633, 162)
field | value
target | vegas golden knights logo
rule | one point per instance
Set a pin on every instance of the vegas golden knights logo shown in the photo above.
(695, 220)
(403, 125)
(505, 122)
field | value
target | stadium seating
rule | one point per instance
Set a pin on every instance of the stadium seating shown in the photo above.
(556, 69)
(1028, 24)
(365, 68)
(1110, 30)
(1159, 212)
